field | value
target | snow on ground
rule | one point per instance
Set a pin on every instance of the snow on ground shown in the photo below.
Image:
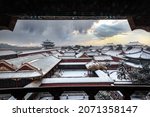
(67, 73)
(133, 50)
(76, 80)
(102, 74)
(71, 73)
(114, 76)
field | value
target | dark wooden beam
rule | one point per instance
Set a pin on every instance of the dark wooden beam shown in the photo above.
(7, 22)
(138, 11)
(55, 89)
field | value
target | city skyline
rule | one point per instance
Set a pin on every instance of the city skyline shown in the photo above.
(73, 32)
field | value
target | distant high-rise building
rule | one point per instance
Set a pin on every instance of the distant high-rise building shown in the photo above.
(48, 44)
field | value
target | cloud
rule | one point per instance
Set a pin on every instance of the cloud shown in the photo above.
(58, 31)
(65, 32)
(137, 35)
(19, 38)
(30, 26)
(109, 28)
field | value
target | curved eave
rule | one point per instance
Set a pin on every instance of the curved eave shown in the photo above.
(139, 58)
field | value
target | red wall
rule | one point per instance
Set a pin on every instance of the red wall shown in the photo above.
(116, 59)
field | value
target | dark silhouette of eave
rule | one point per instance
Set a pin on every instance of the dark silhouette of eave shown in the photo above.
(137, 12)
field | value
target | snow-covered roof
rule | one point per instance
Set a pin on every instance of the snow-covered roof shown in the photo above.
(123, 82)
(75, 80)
(35, 83)
(103, 75)
(19, 74)
(63, 51)
(17, 62)
(113, 53)
(41, 64)
(54, 51)
(57, 54)
(69, 73)
(45, 64)
(84, 58)
(110, 63)
(93, 53)
(8, 52)
(67, 57)
(139, 55)
(69, 54)
(103, 58)
(133, 65)
(133, 50)
(71, 51)
(73, 63)
(134, 43)
(96, 47)
(34, 51)
(113, 75)
(79, 54)
(8, 64)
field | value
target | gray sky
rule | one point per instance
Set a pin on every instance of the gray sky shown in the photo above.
(72, 32)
